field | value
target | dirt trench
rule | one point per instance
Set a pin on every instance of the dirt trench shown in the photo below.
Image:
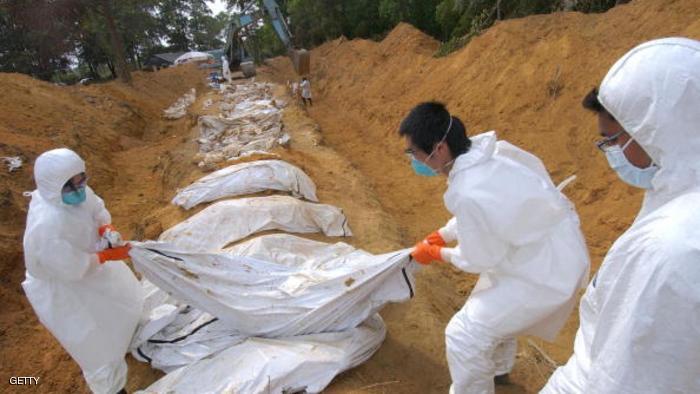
(524, 78)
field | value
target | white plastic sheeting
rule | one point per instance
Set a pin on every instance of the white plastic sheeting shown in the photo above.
(232, 137)
(305, 363)
(172, 334)
(232, 220)
(247, 178)
(193, 56)
(179, 108)
(334, 283)
(176, 335)
(243, 94)
(251, 121)
(13, 162)
(279, 297)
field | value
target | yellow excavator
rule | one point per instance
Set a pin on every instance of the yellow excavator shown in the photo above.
(241, 53)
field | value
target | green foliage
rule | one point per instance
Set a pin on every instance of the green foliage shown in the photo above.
(46, 38)
(596, 5)
(477, 24)
(35, 36)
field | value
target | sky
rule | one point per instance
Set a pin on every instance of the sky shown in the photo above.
(216, 6)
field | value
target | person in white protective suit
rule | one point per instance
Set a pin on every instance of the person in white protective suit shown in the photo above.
(225, 69)
(513, 227)
(640, 315)
(88, 299)
(306, 91)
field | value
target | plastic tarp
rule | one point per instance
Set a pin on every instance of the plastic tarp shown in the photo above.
(251, 121)
(229, 221)
(247, 178)
(205, 354)
(244, 93)
(193, 56)
(272, 293)
(174, 336)
(179, 108)
(305, 363)
(13, 162)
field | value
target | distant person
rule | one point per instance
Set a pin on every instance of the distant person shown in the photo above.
(306, 91)
(225, 69)
(88, 299)
(513, 227)
(640, 316)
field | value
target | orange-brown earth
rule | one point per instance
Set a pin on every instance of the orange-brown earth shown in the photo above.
(524, 78)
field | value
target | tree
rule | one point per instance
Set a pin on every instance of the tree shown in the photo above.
(117, 43)
(37, 36)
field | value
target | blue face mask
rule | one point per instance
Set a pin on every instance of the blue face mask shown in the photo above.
(421, 168)
(628, 172)
(75, 197)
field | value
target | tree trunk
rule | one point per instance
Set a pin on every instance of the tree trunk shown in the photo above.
(93, 71)
(110, 66)
(138, 59)
(118, 53)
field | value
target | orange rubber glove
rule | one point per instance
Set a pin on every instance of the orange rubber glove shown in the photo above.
(435, 238)
(425, 253)
(104, 228)
(118, 253)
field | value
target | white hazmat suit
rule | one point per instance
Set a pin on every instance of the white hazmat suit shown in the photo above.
(640, 316)
(91, 308)
(226, 69)
(305, 89)
(523, 237)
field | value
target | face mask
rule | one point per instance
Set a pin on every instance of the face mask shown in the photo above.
(423, 169)
(75, 197)
(628, 172)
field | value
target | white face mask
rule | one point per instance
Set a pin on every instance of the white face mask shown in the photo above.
(628, 172)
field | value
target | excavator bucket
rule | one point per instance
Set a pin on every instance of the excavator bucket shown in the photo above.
(301, 59)
(248, 69)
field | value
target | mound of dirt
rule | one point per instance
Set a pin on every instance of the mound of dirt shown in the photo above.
(525, 78)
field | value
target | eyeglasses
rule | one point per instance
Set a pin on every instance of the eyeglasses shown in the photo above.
(605, 143)
(74, 186)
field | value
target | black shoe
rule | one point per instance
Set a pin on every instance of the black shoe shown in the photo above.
(501, 380)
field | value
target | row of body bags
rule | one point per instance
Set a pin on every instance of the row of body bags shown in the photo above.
(277, 313)
(251, 123)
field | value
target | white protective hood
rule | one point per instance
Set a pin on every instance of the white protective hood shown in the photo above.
(53, 169)
(640, 316)
(654, 92)
(91, 308)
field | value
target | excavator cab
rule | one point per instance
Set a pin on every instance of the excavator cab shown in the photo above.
(242, 27)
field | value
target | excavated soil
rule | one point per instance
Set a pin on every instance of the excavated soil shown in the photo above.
(524, 78)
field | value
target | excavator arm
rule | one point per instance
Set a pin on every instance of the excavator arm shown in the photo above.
(241, 26)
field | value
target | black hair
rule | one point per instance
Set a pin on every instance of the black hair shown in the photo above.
(426, 125)
(591, 103)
